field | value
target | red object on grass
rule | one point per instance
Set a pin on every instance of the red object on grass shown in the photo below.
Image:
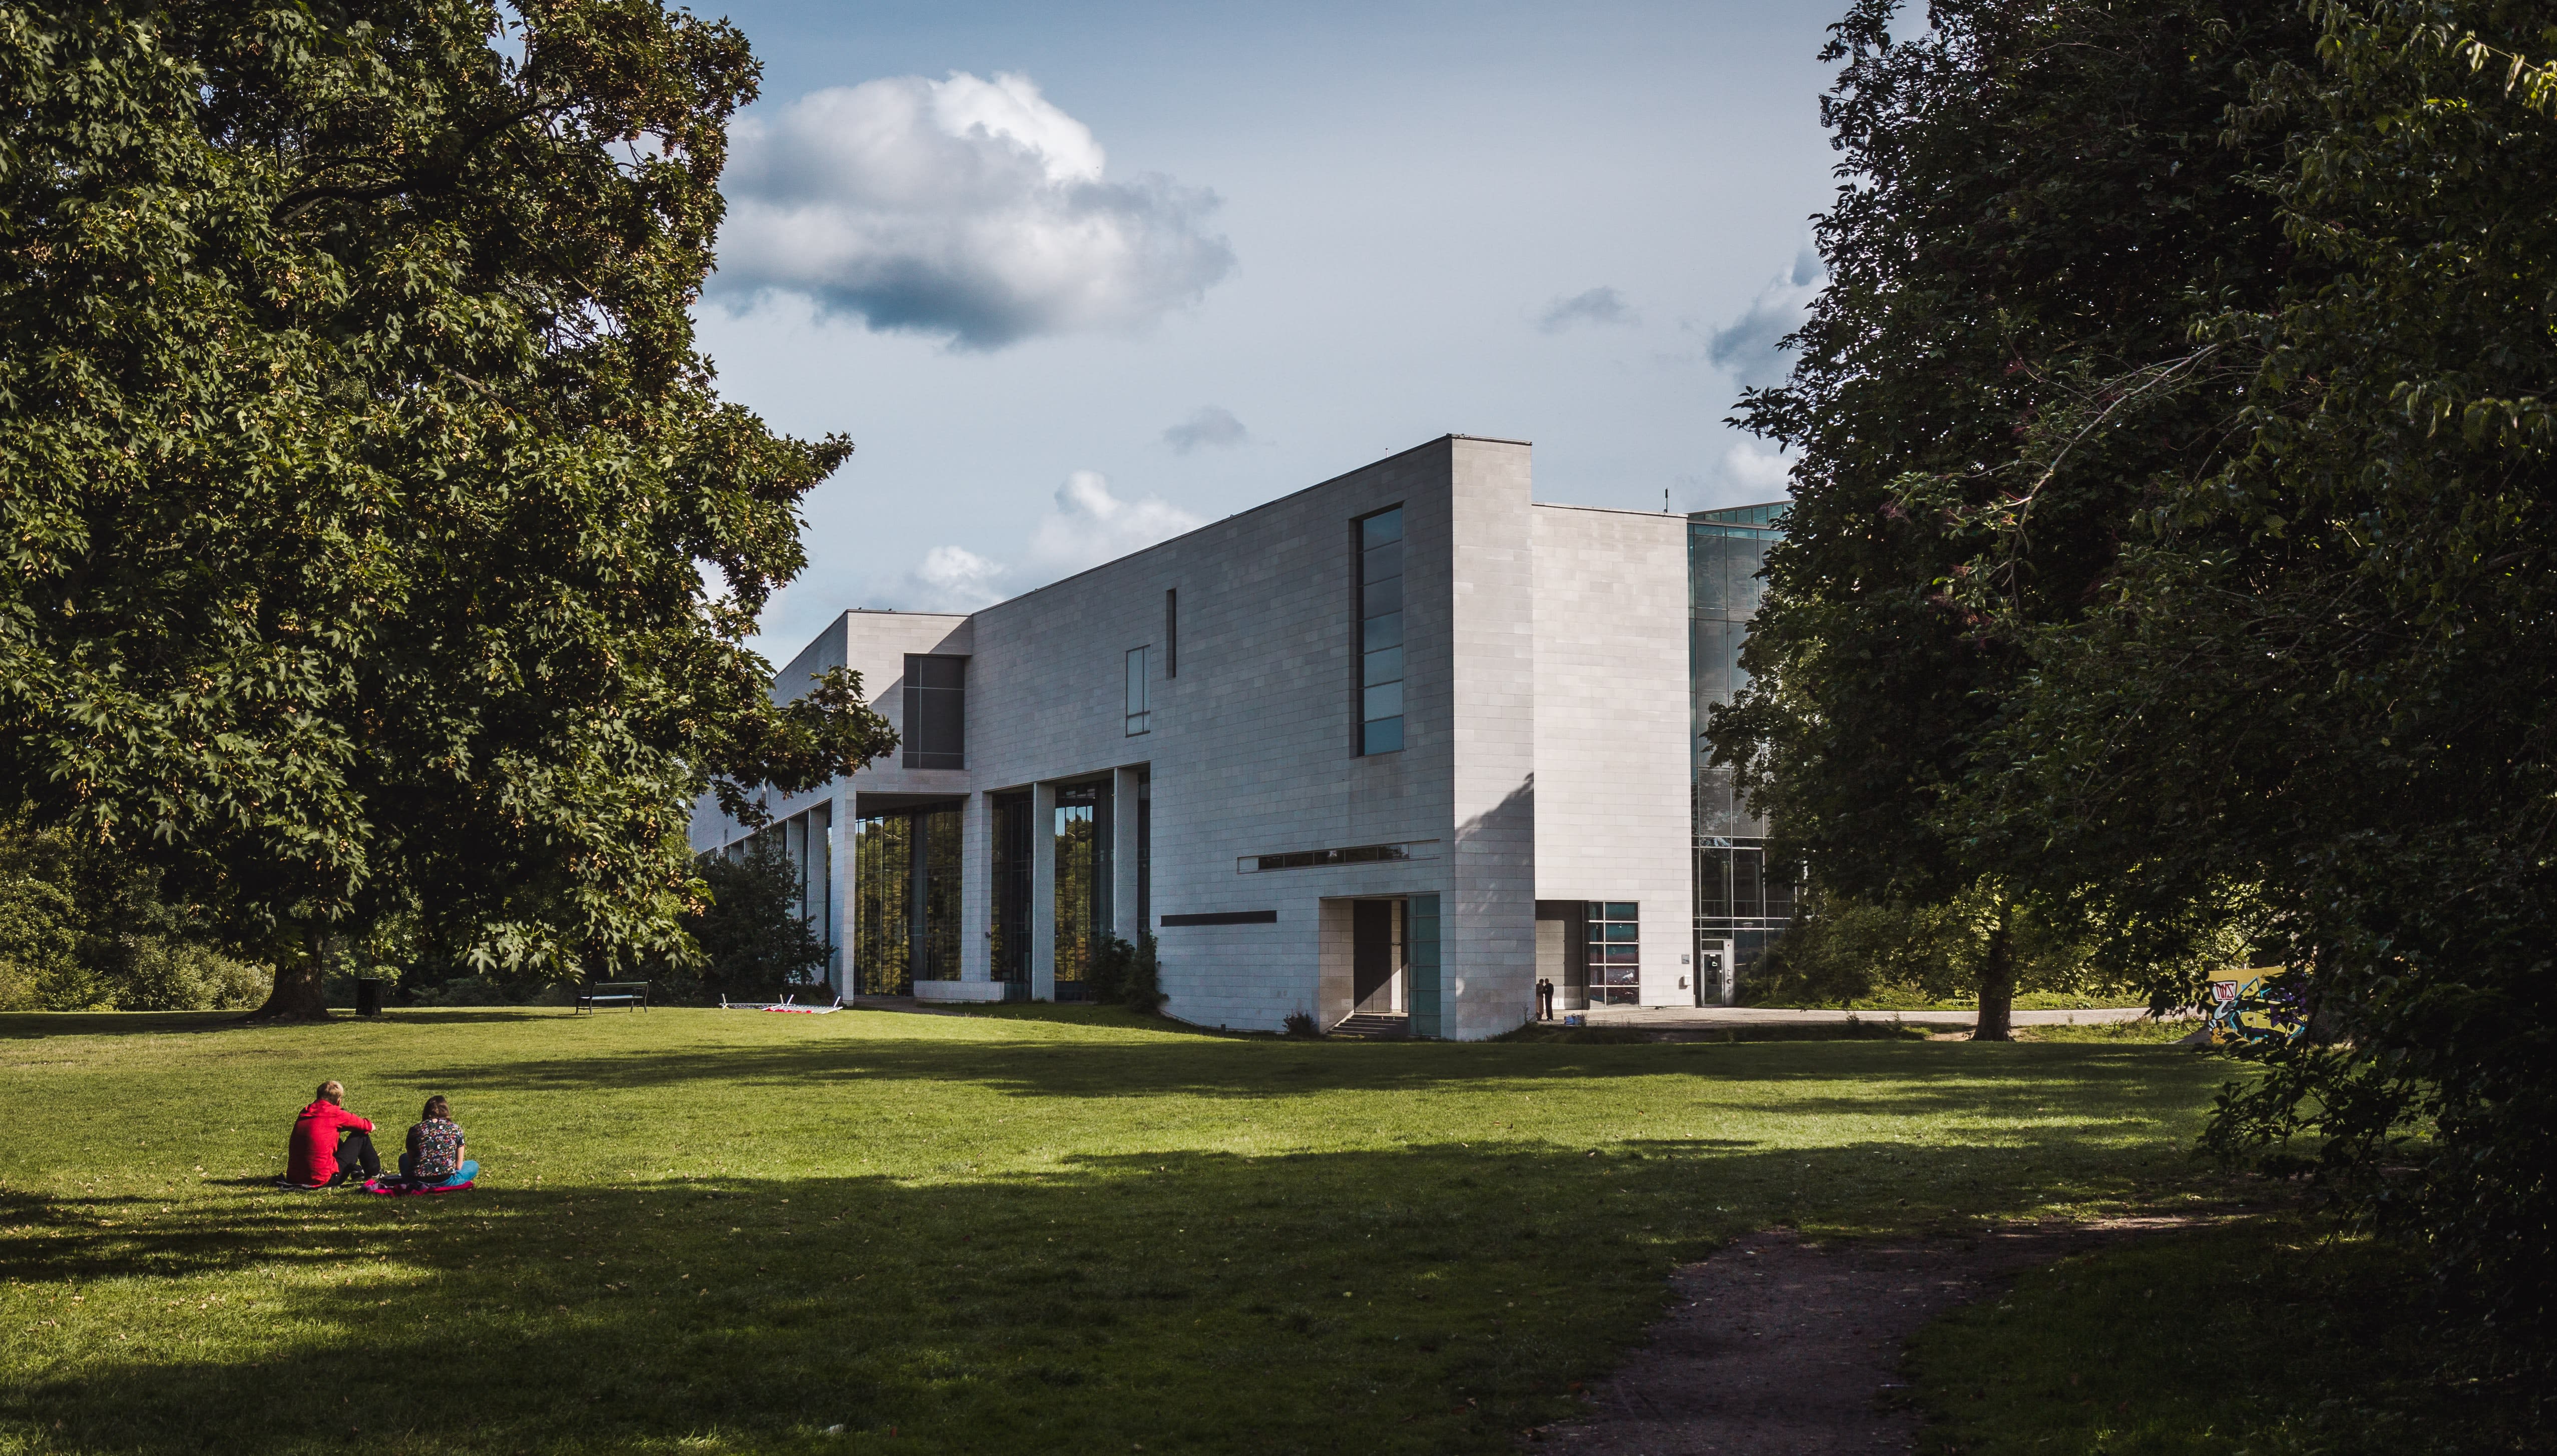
(311, 1156)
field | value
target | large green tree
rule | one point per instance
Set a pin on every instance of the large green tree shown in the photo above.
(375, 537)
(2035, 200)
(2326, 667)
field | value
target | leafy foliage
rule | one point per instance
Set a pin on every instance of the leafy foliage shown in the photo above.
(84, 929)
(2036, 200)
(2305, 697)
(2338, 647)
(1842, 951)
(1130, 975)
(747, 926)
(358, 475)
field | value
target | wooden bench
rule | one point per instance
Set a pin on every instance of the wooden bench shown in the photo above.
(632, 994)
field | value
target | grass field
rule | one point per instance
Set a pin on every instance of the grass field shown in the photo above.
(2275, 1336)
(1051, 1231)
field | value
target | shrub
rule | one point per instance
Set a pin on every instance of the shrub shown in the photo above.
(1300, 1024)
(1127, 975)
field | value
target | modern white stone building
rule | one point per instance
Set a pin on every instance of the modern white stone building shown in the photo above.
(1399, 745)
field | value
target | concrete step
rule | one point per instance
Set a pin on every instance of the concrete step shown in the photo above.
(1373, 1028)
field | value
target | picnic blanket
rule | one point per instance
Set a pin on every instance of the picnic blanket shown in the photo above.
(786, 1005)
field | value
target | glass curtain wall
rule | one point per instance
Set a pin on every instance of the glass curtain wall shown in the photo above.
(905, 898)
(1012, 941)
(1083, 872)
(1737, 898)
(1379, 613)
(1615, 953)
(883, 905)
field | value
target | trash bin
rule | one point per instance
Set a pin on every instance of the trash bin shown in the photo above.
(369, 995)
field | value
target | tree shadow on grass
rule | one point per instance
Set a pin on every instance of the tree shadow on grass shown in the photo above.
(35, 1025)
(1434, 1299)
(1901, 1076)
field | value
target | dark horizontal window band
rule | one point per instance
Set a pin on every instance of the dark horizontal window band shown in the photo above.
(1226, 917)
(1355, 855)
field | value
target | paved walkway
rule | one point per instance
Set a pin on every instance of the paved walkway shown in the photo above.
(1667, 1017)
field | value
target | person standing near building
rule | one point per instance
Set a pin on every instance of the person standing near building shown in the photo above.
(330, 1143)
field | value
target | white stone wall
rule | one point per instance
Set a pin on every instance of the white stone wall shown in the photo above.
(1612, 759)
(1252, 744)
(1488, 936)
(1252, 748)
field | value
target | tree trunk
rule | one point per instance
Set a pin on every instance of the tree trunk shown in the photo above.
(301, 991)
(1997, 984)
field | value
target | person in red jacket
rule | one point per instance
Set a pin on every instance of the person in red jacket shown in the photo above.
(330, 1143)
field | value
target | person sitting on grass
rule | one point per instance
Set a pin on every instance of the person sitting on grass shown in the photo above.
(331, 1144)
(433, 1157)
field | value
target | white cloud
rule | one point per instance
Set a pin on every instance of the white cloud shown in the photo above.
(1750, 347)
(952, 579)
(970, 208)
(1754, 473)
(1086, 526)
(1208, 425)
(1596, 306)
(1090, 525)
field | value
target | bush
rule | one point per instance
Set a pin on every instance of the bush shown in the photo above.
(1127, 975)
(750, 931)
(1300, 1024)
(82, 928)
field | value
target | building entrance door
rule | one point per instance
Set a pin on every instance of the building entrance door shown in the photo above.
(1714, 982)
(1377, 957)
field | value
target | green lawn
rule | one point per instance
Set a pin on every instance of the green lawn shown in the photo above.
(2271, 1336)
(708, 1230)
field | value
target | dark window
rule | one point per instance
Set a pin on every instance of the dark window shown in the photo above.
(1380, 631)
(1139, 719)
(1012, 949)
(1615, 953)
(1171, 631)
(936, 712)
(1144, 847)
(1083, 877)
(905, 886)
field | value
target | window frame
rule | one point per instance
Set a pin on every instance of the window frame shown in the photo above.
(912, 753)
(1141, 697)
(1383, 732)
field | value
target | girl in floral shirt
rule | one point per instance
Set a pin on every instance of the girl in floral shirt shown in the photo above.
(434, 1153)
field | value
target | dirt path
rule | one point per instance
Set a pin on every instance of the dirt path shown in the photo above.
(1776, 1347)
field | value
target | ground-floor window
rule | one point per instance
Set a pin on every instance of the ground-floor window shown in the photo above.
(1012, 880)
(1615, 953)
(905, 898)
(1083, 872)
(1741, 899)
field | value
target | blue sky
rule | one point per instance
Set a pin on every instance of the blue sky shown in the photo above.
(1076, 278)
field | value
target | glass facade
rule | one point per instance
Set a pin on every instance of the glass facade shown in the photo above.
(1083, 872)
(1380, 633)
(936, 712)
(1139, 719)
(905, 899)
(1010, 949)
(1615, 953)
(1737, 898)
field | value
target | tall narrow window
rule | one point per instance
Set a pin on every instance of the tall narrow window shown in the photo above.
(936, 712)
(1171, 631)
(1615, 953)
(1138, 718)
(1083, 872)
(1380, 644)
(1012, 874)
